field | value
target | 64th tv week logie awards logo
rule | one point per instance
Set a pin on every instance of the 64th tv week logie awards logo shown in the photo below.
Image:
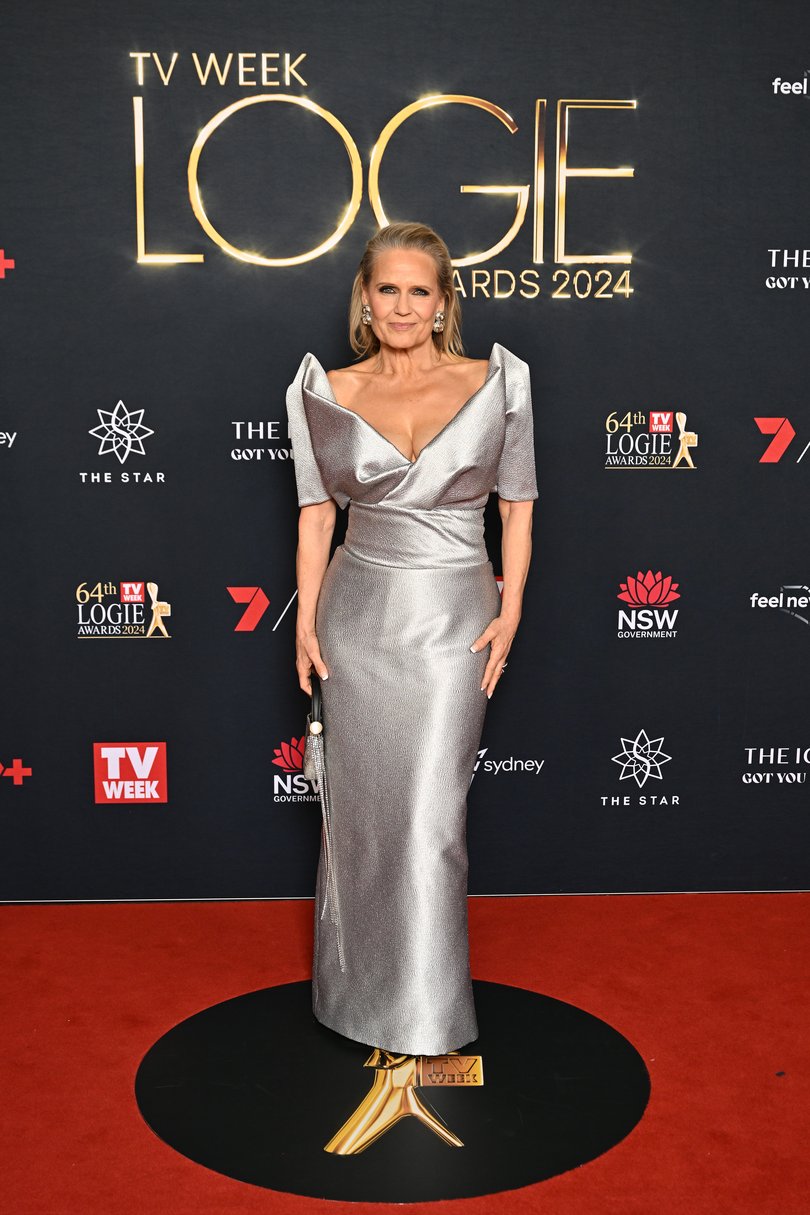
(655, 438)
(120, 609)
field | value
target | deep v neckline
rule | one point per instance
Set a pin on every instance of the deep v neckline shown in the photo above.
(333, 401)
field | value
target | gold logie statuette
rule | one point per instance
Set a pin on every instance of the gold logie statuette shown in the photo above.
(688, 439)
(393, 1096)
(159, 609)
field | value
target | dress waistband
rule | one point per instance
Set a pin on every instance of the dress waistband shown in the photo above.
(402, 536)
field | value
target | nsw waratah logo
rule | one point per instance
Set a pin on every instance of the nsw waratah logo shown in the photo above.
(290, 784)
(648, 613)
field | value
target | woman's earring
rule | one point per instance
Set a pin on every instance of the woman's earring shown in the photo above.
(366, 315)
(438, 324)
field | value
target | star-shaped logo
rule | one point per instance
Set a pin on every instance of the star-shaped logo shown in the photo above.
(121, 432)
(641, 758)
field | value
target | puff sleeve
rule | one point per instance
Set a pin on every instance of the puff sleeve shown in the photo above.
(516, 477)
(308, 479)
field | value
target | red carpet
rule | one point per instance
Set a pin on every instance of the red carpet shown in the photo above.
(711, 989)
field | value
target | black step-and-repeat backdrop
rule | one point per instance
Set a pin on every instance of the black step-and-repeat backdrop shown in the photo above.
(185, 192)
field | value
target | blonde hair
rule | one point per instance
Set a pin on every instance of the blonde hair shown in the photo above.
(362, 338)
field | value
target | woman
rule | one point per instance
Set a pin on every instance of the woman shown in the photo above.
(407, 631)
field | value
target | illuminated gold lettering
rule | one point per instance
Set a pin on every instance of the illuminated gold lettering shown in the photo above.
(539, 177)
(502, 285)
(480, 282)
(289, 69)
(167, 75)
(246, 67)
(521, 193)
(159, 259)
(458, 283)
(258, 259)
(564, 107)
(213, 62)
(530, 284)
(268, 69)
(509, 276)
(140, 56)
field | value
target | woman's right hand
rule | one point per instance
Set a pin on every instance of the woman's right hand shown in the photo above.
(307, 656)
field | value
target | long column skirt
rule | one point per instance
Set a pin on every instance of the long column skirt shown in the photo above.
(403, 716)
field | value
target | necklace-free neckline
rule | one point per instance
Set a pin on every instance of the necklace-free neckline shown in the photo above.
(332, 400)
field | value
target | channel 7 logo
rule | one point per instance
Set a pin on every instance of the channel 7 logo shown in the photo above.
(783, 435)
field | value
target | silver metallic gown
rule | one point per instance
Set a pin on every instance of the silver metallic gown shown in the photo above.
(402, 600)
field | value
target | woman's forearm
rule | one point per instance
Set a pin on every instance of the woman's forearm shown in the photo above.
(516, 552)
(316, 525)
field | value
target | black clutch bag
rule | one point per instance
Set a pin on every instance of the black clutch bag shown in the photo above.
(314, 768)
(313, 765)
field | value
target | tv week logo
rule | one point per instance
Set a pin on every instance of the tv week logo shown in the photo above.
(128, 773)
(661, 421)
(132, 592)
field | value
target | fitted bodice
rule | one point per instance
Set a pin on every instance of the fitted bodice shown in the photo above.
(427, 511)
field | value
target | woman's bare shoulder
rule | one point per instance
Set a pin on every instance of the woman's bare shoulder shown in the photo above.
(345, 375)
(471, 372)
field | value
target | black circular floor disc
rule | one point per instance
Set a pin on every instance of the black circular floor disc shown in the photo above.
(255, 1087)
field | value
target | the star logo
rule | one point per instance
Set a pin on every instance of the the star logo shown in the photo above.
(641, 758)
(121, 432)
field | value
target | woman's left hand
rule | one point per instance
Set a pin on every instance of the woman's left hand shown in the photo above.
(500, 633)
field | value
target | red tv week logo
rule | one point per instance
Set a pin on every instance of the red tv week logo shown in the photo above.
(126, 773)
(132, 592)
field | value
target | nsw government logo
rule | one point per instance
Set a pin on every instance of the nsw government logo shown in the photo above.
(120, 609)
(647, 439)
(648, 614)
(130, 773)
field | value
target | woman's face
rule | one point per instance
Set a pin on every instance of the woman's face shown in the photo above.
(403, 295)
